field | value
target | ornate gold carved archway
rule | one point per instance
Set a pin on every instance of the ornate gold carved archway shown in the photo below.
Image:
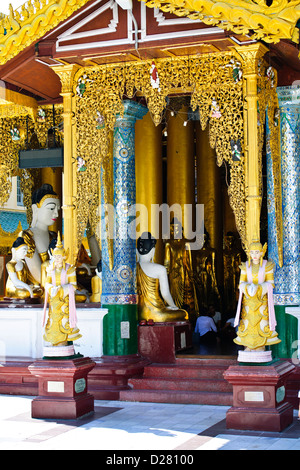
(30, 22)
(242, 94)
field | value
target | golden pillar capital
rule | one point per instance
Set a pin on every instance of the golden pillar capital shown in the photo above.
(66, 74)
(250, 56)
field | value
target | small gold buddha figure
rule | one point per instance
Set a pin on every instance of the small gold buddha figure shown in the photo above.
(205, 275)
(255, 313)
(97, 284)
(155, 300)
(179, 266)
(84, 275)
(18, 285)
(60, 288)
(83, 262)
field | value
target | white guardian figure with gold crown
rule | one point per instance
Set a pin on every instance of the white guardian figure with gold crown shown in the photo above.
(255, 312)
(61, 325)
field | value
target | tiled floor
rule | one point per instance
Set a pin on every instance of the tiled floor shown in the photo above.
(125, 426)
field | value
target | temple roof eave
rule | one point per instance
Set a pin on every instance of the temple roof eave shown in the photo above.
(29, 23)
(270, 23)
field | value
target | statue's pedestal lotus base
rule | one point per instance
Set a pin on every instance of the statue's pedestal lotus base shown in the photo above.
(51, 352)
(62, 388)
(259, 397)
(160, 342)
(255, 356)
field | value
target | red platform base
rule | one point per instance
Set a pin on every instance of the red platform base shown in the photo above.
(62, 388)
(161, 341)
(62, 408)
(259, 397)
(111, 375)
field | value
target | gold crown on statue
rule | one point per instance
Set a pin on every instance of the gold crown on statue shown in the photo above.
(59, 248)
(256, 245)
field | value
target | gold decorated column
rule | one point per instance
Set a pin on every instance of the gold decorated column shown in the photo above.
(66, 74)
(209, 193)
(250, 56)
(148, 170)
(181, 163)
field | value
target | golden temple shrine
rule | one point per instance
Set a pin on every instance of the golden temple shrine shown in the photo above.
(178, 119)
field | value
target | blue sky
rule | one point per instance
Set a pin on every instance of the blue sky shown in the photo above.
(15, 3)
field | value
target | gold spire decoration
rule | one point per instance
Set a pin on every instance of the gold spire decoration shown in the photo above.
(59, 248)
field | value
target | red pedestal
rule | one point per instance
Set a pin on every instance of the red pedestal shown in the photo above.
(161, 341)
(62, 390)
(259, 397)
(111, 375)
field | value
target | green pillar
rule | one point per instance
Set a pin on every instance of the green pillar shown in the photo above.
(287, 329)
(120, 330)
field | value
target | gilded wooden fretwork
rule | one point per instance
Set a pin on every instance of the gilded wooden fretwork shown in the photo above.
(9, 150)
(94, 147)
(13, 103)
(5, 250)
(9, 110)
(211, 77)
(52, 118)
(254, 17)
(220, 77)
(7, 239)
(100, 91)
(28, 23)
(30, 180)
